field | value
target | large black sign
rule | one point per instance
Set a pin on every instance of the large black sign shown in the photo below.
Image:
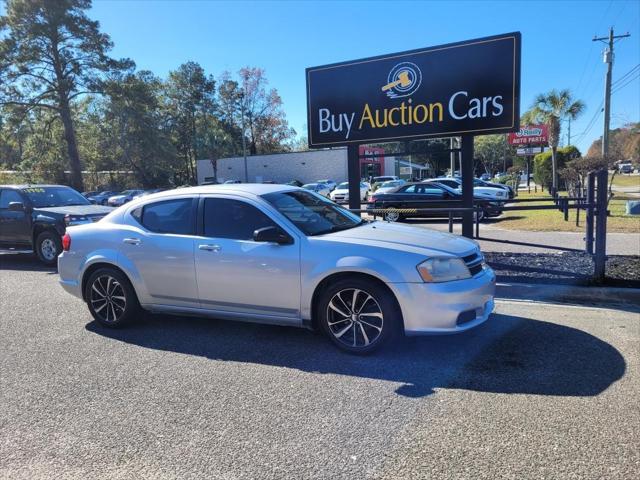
(467, 87)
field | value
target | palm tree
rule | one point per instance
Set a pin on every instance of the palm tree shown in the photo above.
(551, 109)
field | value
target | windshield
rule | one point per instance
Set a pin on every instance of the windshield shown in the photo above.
(54, 197)
(343, 186)
(444, 187)
(392, 183)
(312, 213)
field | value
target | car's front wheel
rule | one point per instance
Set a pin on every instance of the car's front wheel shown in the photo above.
(48, 247)
(111, 298)
(357, 315)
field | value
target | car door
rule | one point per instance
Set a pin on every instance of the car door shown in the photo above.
(238, 275)
(15, 226)
(160, 246)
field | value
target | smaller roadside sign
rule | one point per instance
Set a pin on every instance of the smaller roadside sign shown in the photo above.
(528, 134)
(530, 151)
(405, 170)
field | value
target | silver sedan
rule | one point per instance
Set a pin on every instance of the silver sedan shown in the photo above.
(279, 255)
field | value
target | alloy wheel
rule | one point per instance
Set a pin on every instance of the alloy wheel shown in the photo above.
(48, 249)
(108, 299)
(392, 215)
(354, 318)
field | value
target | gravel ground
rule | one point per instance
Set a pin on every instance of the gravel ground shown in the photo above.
(539, 391)
(570, 268)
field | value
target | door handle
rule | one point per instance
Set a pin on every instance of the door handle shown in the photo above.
(210, 248)
(132, 241)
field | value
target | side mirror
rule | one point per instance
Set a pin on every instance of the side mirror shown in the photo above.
(272, 235)
(16, 206)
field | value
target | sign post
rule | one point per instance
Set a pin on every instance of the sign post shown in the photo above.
(459, 89)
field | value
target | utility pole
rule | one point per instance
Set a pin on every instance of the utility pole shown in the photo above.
(608, 59)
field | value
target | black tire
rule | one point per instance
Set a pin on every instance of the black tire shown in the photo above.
(48, 246)
(110, 297)
(360, 330)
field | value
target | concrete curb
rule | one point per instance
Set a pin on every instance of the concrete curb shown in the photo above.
(570, 294)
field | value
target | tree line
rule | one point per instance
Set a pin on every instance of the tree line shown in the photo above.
(66, 105)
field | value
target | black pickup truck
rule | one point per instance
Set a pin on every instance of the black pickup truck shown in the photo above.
(35, 217)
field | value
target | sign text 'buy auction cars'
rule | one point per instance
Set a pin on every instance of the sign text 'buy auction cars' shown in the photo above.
(468, 87)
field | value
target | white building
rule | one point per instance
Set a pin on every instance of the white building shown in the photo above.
(303, 166)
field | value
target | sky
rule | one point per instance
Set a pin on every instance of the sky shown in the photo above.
(286, 37)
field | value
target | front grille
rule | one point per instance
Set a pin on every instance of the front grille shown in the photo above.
(476, 269)
(474, 263)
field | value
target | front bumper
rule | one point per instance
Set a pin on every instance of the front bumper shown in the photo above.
(448, 307)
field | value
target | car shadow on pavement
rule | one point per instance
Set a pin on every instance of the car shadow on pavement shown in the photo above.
(507, 354)
(24, 262)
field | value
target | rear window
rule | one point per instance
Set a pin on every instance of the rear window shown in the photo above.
(169, 216)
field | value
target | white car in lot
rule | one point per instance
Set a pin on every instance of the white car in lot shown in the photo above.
(490, 193)
(319, 188)
(341, 192)
(279, 255)
(329, 183)
(389, 186)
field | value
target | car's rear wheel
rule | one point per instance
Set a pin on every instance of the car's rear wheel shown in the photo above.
(392, 215)
(111, 298)
(48, 247)
(357, 315)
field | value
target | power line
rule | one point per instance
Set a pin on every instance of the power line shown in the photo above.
(591, 123)
(626, 74)
(629, 80)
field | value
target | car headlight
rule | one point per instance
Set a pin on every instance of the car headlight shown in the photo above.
(71, 220)
(443, 269)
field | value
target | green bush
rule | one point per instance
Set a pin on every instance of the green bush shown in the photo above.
(542, 163)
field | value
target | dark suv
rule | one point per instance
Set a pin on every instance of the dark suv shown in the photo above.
(34, 217)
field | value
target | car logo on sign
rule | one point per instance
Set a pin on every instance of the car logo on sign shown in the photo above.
(403, 80)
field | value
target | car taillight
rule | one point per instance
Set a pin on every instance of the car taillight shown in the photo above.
(66, 242)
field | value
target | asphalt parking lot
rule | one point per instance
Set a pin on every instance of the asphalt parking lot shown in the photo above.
(539, 391)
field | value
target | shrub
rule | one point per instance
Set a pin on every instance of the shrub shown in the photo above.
(542, 163)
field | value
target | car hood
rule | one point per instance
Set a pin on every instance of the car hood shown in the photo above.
(87, 210)
(405, 237)
(341, 190)
(117, 197)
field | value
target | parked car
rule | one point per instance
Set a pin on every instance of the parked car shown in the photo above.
(425, 195)
(89, 194)
(625, 167)
(386, 187)
(228, 182)
(377, 181)
(492, 193)
(341, 192)
(485, 176)
(295, 183)
(34, 217)
(330, 183)
(321, 188)
(278, 255)
(123, 197)
(102, 197)
(148, 192)
(507, 188)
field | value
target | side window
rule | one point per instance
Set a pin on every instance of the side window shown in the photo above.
(8, 196)
(410, 189)
(170, 216)
(225, 218)
(434, 192)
